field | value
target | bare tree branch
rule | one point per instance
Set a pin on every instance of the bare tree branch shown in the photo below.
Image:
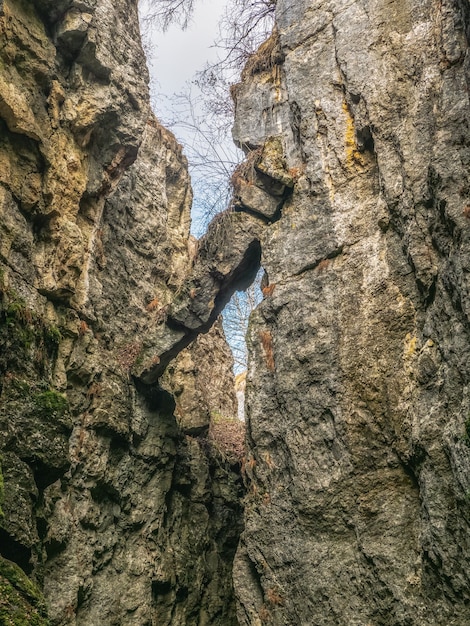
(163, 13)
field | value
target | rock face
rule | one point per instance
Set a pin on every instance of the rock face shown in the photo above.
(73, 105)
(358, 400)
(120, 487)
(117, 499)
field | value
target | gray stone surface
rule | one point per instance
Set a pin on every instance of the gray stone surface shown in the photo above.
(358, 382)
(116, 498)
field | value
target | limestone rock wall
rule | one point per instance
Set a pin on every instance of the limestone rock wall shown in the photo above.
(73, 103)
(119, 509)
(116, 496)
(358, 383)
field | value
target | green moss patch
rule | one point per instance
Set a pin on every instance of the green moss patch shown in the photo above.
(21, 602)
(25, 337)
(51, 404)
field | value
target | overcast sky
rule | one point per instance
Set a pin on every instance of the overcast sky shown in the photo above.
(176, 55)
(174, 58)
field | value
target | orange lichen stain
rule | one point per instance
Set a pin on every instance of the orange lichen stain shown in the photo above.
(153, 305)
(269, 460)
(268, 290)
(350, 135)
(247, 467)
(324, 263)
(264, 615)
(267, 343)
(251, 463)
(466, 211)
(83, 328)
(296, 172)
(274, 597)
(352, 153)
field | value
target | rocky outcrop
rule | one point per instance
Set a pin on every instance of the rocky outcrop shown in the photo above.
(227, 259)
(199, 383)
(120, 488)
(73, 104)
(358, 382)
(145, 496)
(118, 500)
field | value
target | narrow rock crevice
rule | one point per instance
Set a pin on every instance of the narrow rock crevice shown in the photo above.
(127, 488)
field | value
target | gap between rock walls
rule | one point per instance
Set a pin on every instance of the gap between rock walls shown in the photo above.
(120, 452)
(200, 111)
(129, 492)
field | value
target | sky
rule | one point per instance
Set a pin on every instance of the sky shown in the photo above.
(174, 58)
(176, 55)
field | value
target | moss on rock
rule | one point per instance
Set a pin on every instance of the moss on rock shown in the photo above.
(51, 404)
(25, 336)
(1, 490)
(21, 602)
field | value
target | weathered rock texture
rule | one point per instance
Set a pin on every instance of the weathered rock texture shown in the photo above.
(73, 105)
(119, 497)
(358, 399)
(117, 501)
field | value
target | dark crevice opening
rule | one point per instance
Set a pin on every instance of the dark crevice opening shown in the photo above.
(156, 398)
(365, 140)
(16, 552)
(44, 475)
